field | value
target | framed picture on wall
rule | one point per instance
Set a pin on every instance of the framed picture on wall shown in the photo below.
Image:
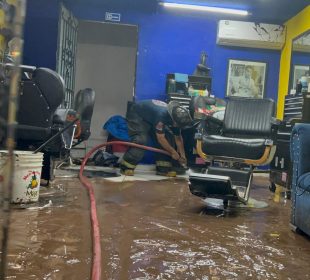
(298, 72)
(246, 78)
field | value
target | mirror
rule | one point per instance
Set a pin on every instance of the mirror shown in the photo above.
(300, 66)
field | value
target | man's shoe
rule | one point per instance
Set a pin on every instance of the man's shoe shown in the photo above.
(180, 170)
(167, 174)
(128, 172)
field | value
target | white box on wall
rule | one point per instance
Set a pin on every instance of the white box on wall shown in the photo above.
(302, 44)
(250, 34)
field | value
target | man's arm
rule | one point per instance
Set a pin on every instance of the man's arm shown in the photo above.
(180, 147)
(167, 147)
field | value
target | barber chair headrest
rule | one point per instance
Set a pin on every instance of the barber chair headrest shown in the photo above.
(84, 106)
(84, 103)
(51, 84)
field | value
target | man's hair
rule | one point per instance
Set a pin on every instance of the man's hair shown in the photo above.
(248, 67)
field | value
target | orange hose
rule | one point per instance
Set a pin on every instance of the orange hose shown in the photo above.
(96, 244)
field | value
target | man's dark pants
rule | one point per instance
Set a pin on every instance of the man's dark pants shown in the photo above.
(139, 132)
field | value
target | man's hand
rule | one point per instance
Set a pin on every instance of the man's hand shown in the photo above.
(183, 160)
(175, 155)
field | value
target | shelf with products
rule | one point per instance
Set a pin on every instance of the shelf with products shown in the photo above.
(181, 87)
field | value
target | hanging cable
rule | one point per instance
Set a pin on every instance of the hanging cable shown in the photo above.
(96, 244)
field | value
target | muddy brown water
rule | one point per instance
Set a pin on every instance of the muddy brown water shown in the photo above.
(156, 230)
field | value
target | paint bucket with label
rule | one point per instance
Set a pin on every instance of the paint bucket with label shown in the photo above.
(27, 174)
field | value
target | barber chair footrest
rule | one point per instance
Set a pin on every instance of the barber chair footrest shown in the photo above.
(221, 183)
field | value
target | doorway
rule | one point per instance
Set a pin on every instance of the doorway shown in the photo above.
(106, 62)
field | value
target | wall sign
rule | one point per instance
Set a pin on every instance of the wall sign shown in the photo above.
(112, 16)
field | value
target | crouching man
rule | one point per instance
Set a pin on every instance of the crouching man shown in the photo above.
(156, 119)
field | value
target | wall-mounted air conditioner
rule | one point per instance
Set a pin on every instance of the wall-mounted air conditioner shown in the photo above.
(302, 44)
(250, 34)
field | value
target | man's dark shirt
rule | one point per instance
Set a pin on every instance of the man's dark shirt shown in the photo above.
(155, 113)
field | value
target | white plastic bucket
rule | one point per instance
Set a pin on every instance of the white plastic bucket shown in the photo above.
(27, 175)
(21, 155)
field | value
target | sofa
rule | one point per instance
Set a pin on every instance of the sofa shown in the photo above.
(300, 155)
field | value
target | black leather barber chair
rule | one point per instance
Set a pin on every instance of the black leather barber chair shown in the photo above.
(39, 117)
(244, 140)
(84, 107)
(83, 110)
(40, 97)
(41, 92)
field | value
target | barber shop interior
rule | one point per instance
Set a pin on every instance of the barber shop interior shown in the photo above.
(154, 139)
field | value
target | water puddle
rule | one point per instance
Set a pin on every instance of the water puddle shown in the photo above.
(156, 230)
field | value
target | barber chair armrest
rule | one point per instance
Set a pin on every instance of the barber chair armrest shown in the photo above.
(275, 125)
(207, 118)
(213, 125)
(64, 125)
(25, 68)
(214, 120)
(209, 125)
(62, 115)
(276, 122)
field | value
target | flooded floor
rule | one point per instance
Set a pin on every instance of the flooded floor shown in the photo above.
(156, 230)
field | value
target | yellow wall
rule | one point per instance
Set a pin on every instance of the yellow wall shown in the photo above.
(295, 26)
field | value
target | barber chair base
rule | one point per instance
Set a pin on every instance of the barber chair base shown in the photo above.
(222, 183)
(294, 228)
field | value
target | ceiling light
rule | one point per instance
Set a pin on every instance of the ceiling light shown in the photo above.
(205, 8)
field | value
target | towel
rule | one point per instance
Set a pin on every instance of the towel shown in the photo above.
(117, 126)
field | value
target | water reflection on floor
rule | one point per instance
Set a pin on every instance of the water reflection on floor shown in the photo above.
(157, 230)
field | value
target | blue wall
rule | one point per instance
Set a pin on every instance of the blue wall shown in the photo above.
(168, 42)
(172, 43)
(41, 31)
(300, 58)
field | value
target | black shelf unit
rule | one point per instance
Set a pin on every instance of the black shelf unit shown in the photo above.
(295, 109)
(180, 93)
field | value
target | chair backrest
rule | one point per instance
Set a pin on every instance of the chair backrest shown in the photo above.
(51, 85)
(248, 117)
(39, 98)
(84, 107)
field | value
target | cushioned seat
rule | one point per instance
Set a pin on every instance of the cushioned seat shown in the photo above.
(304, 182)
(233, 147)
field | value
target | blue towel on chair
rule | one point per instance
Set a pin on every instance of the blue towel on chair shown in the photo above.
(181, 78)
(117, 126)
